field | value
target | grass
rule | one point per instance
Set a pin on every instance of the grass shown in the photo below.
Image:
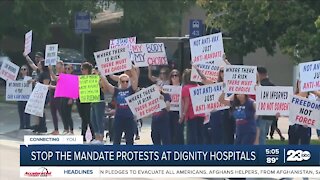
(278, 142)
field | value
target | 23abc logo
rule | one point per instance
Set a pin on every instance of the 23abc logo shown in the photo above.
(298, 155)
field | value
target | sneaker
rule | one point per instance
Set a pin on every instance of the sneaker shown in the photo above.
(282, 138)
(65, 132)
(137, 138)
(271, 137)
(70, 133)
(54, 132)
(96, 142)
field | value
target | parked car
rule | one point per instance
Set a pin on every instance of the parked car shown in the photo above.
(71, 56)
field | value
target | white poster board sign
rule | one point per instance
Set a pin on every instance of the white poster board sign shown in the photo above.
(18, 90)
(112, 61)
(240, 79)
(35, 104)
(210, 70)
(147, 54)
(27, 42)
(8, 70)
(305, 112)
(122, 42)
(310, 76)
(145, 102)
(206, 98)
(51, 55)
(207, 48)
(271, 100)
(175, 94)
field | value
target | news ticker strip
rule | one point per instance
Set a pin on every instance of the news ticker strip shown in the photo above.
(149, 155)
(170, 172)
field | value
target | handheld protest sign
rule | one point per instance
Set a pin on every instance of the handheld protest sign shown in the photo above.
(9, 71)
(112, 61)
(175, 94)
(138, 55)
(156, 54)
(18, 90)
(240, 79)
(67, 86)
(27, 42)
(309, 76)
(51, 55)
(35, 104)
(271, 100)
(207, 48)
(147, 54)
(305, 112)
(206, 98)
(145, 102)
(122, 42)
(89, 88)
(210, 70)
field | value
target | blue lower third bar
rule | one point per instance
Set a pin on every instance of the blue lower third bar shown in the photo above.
(148, 155)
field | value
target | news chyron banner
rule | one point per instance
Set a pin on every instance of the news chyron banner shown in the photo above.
(140, 161)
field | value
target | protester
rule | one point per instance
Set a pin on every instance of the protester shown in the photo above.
(43, 78)
(274, 127)
(264, 122)
(177, 128)
(55, 101)
(161, 122)
(194, 122)
(221, 124)
(37, 58)
(97, 112)
(124, 120)
(24, 117)
(299, 134)
(35, 75)
(163, 78)
(138, 121)
(66, 108)
(85, 108)
(243, 110)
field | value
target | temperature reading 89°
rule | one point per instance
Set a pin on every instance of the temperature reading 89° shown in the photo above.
(272, 160)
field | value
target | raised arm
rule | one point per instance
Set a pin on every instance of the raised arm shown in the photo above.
(225, 59)
(152, 78)
(205, 80)
(222, 100)
(30, 62)
(106, 85)
(114, 77)
(52, 75)
(317, 93)
(134, 78)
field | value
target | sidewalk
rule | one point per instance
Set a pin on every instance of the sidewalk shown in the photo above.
(9, 123)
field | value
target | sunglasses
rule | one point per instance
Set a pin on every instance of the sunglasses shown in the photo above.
(23, 69)
(174, 75)
(222, 71)
(124, 81)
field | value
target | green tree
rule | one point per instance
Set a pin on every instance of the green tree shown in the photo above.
(253, 24)
(20, 16)
(149, 18)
